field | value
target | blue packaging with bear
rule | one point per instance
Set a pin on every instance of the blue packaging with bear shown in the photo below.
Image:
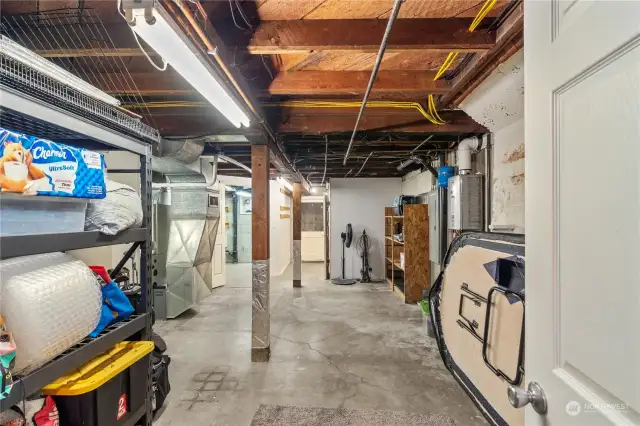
(33, 166)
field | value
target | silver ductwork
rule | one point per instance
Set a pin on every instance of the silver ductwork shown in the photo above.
(186, 218)
(185, 151)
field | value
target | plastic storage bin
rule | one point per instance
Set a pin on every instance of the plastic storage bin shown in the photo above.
(22, 215)
(108, 390)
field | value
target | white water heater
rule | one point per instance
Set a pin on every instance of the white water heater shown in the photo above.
(465, 203)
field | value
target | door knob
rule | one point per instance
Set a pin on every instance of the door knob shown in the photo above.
(533, 395)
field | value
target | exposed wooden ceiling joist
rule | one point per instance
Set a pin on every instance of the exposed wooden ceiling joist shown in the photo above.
(364, 35)
(418, 83)
(457, 122)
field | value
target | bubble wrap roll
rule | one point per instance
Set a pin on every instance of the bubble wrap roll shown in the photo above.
(49, 302)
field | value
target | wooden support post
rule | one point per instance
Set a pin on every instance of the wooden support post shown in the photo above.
(297, 239)
(260, 325)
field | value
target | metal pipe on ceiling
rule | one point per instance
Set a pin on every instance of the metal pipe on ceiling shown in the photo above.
(364, 164)
(232, 161)
(374, 73)
(421, 143)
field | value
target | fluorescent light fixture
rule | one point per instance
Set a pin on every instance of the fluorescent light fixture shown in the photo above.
(48, 68)
(170, 44)
(243, 194)
(283, 182)
(226, 138)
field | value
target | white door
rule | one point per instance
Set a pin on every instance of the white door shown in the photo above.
(582, 127)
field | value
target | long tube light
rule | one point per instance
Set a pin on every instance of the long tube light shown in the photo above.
(241, 193)
(171, 46)
(48, 68)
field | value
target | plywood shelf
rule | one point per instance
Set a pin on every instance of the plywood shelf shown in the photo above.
(410, 281)
(400, 243)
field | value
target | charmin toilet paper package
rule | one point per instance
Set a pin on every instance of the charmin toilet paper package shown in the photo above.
(34, 166)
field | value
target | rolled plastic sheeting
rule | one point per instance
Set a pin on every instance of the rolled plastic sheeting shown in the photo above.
(119, 210)
(49, 302)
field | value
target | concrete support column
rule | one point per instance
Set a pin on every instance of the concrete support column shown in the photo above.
(297, 235)
(261, 316)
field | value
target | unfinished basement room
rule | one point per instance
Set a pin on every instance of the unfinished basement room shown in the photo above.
(313, 212)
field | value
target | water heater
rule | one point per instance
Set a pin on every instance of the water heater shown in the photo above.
(465, 203)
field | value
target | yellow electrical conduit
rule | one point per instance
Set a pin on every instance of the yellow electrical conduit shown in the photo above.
(302, 104)
(484, 11)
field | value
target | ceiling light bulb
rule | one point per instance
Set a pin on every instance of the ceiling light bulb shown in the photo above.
(172, 47)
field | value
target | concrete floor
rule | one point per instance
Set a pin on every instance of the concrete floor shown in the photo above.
(355, 347)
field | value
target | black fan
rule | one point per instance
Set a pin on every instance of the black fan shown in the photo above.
(347, 238)
(363, 246)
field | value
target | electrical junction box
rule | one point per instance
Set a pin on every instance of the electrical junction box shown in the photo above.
(465, 203)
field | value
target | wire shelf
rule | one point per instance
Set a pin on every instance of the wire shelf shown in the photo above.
(25, 78)
(58, 36)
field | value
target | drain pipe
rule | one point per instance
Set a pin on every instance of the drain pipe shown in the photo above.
(465, 148)
(374, 73)
(488, 182)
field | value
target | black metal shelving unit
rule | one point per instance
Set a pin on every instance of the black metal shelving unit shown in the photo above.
(40, 106)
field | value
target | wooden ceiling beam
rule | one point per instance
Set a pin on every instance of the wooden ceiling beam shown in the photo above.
(364, 35)
(457, 122)
(416, 83)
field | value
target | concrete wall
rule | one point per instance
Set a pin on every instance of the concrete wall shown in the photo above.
(498, 104)
(360, 202)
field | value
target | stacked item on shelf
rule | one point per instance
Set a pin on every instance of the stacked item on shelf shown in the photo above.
(59, 177)
(49, 302)
(108, 390)
(34, 166)
(76, 178)
(121, 209)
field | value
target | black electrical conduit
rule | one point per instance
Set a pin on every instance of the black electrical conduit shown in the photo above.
(376, 67)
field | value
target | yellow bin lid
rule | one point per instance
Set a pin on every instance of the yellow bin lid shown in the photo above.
(100, 370)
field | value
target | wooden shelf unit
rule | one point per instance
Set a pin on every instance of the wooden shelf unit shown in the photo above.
(414, 277)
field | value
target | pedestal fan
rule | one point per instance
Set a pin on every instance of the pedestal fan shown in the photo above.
(347, 237)
(363, 246)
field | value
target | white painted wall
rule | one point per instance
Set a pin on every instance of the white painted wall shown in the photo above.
(280, 229)
(360, 202)
(498, 104)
